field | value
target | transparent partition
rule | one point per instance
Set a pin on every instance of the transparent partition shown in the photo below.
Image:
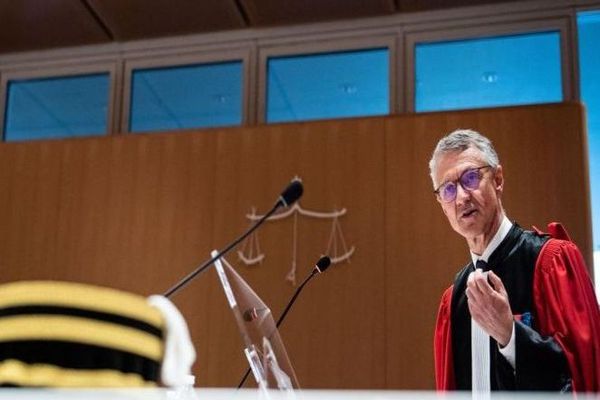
(263, 346)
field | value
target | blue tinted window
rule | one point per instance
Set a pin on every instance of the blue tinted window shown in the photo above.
(588, 24)
(487, 72)
(57, 107)
(191, 96)
(332, 85)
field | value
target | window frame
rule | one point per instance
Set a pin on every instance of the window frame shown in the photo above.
(560, 24)
(65, 71)
(387, 41)
(168, 60)
(398, 32)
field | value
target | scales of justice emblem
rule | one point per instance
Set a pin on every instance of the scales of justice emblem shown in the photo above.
(337, 250)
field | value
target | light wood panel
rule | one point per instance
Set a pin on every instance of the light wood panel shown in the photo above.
(325, 155)
(138, 212)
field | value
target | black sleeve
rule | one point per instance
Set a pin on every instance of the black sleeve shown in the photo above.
(541, 364)
(503, 374)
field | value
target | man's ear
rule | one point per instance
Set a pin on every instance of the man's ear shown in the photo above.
(499, 179)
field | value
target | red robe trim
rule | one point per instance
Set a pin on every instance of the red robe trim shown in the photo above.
(560, 282)
(442, 345)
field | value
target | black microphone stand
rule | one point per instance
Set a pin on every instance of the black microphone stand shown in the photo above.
(221, 253)
(289, 196)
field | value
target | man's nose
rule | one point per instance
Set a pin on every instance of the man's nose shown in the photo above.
(461, 194)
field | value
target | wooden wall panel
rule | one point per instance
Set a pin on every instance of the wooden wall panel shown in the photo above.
(138, 212)
(542, 150)
(418, 241)
(341, 303)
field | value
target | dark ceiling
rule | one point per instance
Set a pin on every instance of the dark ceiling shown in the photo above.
(27, 25)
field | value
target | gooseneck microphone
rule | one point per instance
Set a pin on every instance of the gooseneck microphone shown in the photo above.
(321, 265)
(289, 196)
(251, 314)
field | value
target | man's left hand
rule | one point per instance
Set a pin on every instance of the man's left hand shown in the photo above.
(489, 305)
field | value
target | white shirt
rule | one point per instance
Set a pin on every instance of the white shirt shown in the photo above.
(480, 339)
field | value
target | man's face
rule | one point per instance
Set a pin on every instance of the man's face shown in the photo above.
(472, 213)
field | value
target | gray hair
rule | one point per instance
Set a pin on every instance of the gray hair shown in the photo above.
(461, 140)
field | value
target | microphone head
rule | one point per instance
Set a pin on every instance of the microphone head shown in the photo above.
(323, 263)
(291, 194)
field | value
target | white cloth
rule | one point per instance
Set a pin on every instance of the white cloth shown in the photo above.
(509, 351)
(480, 362)
(480, 340)
(179, 354)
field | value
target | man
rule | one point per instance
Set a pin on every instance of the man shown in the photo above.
(523, 314)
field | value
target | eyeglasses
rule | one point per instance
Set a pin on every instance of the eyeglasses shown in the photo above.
(469, 180)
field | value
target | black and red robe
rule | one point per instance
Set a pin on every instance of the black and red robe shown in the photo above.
(557, 319)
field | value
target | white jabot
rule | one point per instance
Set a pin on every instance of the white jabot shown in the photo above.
(480, 340)
(480, 361)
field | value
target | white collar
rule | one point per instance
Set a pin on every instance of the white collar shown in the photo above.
(501, 233)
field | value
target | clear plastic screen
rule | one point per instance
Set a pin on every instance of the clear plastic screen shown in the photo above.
(264, 348)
